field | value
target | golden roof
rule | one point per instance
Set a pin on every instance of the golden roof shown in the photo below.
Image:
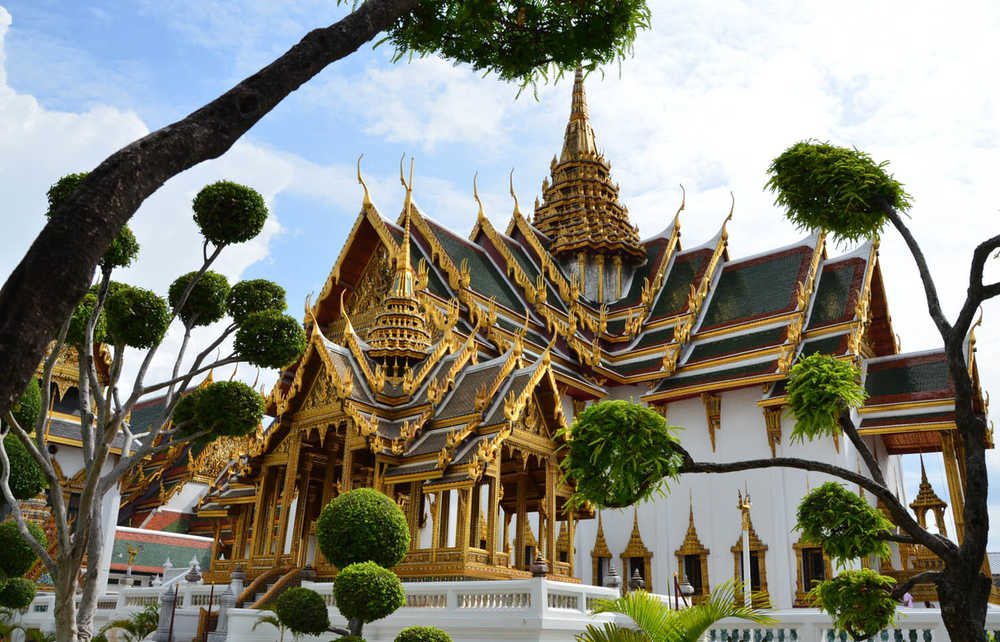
(580, 209)
(399, 330)
(926, 497)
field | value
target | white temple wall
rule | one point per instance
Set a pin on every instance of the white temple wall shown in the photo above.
(775, 494)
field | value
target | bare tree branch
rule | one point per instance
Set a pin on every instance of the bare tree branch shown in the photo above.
(930, 290)
(847, 425)
(924, 577)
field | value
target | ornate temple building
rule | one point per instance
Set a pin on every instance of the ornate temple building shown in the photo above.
(439, 370)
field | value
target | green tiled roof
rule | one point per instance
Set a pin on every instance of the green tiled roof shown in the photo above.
(616, 326)
(756, 289)
(655, 337)
(903, 379)
(675, 291)
(719, 375)
(741, 343)
(825, 345)
(153, 554)
(147, 416)
(833, 293)
(486, 280)
(643, 365)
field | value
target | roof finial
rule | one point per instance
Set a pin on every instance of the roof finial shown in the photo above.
(404, 254)
(367, 199)
(923, 471)
(677, 216)
(475, 193)
(517, 210)
(578, 111)
(348, 327)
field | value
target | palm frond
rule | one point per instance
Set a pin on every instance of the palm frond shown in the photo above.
(611, 633)
(266, 619)
(687, 625)
(645, 609)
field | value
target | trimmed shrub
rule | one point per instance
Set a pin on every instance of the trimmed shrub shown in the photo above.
(136, 317)
(350, 638)
(302, 611)
(224, 408)
(227, 212)
(28, 406)
(26, 476)
(270, 339)
(363, 525)
(81, 316)
(423, 634)
(367, 591)
(819, 386)
(123, 248)
(207, 301)
(255, 295)
(618, 453)
(18, 593)
(845, 525)
(16, 557)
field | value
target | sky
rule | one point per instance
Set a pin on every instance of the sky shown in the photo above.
(713, 92)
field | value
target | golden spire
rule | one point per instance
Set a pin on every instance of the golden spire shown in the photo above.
(579, 139)
(579, 108)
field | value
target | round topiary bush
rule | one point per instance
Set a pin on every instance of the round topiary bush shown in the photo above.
(834, 188)
(136, 317)
(367, 591)
(845, 525)
(302, 611)
(206, 302)
(17, 593)
(16, 557)
(819, 387)
(270, 339)
(75, 335)
(26, 476)
(28, 406)
(423, 634)
(859, 601)
(123, 248)
(224, 408)
(227, 212)
(363, 525)
(350, 638)
(255, 295)
(618, 453)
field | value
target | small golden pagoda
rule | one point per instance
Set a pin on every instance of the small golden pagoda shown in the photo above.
(399, 335)
(589, 230)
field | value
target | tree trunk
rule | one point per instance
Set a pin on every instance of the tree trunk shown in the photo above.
(963, 598)
(76, 236)
(96, 558)
(65, 605)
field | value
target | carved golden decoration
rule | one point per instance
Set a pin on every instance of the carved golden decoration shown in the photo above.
(635, 548)
(713, 413)
(772, 423)
(801, 590)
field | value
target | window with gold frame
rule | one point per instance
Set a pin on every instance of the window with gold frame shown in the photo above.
(692, 562)
(636, 557)
(812, 565)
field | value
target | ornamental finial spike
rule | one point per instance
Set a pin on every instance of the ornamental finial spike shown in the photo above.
(578, 111)
(677, 216)
(367, 198)
(404, 254)
(475, 194)
(517, 209)
(732, 206)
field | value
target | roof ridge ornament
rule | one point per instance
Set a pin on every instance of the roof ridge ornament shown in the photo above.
(517, 209)
(475, 195)
(367, 202)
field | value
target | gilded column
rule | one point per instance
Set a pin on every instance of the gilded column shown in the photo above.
(551, 479)
(287, 491)
(436, 526)
(955, 486)
(522, 516)
(298, 530)
(413, 515)
(494, 513)
(618, 276)
(258, 510)
(599, 260)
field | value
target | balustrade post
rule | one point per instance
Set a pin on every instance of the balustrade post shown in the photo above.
(226, 602)
(166, 611)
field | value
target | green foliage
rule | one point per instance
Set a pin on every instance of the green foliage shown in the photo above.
(17, 593)
(273, 621)
(255, 295)
(351, 638)
(819, 387)
(26, 476)
(422, 634)
(658, 622)
(618, 453)
(270, 339)
(78, 322)
(123, 248)
(860, 602)
(223, 408)
(846, 525)
(207, 301)
(519, 40)
(367, 591)
(137, 627)
(227, 212)
(302, 611)
(16, 557)
(136, 317)
(28, 406)
(835, 188)
(362, 525)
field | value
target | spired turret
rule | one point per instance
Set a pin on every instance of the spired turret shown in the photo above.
(399, 335)
(590, 232)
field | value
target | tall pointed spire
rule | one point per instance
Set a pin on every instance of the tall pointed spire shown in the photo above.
(579, 140)
(580, 210)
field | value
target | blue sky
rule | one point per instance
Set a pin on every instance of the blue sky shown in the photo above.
(712, 94)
